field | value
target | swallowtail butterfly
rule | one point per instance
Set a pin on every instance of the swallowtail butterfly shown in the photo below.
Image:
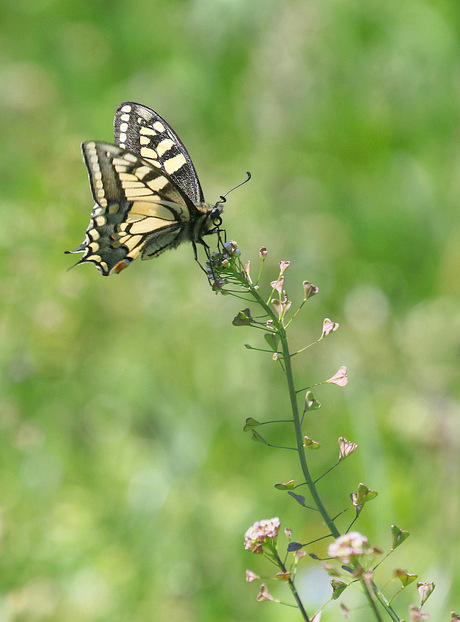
(147, 193)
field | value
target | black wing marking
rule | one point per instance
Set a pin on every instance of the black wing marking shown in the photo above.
(145, 133)
(139, 209)
(115, 174)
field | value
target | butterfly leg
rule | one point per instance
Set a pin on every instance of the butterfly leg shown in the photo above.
(195, 254)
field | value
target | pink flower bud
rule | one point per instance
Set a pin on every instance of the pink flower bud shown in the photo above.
(251, 576)
(309, 289)
(340, 377)
(278, 285)
(264, 594)
(328, 327)
(284, 265)
(346, 448)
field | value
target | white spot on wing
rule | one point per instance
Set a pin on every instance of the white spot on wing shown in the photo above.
(147, 131)
(128, 177)
(164, 146)
(157, 184)
(148, 153)
(174, 164)
(142, 191)
(119, 161)
(145, 114)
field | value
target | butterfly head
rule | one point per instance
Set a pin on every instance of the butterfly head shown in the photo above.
(210, 222)
(215, 215)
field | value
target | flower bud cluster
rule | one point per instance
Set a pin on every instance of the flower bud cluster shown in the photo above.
(262, 532)
(219, 262)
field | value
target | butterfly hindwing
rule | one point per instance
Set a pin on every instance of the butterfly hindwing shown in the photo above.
(139, 209)
(145, 133)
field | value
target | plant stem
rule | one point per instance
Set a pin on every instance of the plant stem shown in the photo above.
(371, 590)
(293, 590)
(299, 439)
(295, 413)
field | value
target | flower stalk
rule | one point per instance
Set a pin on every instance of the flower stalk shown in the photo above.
(228, 275)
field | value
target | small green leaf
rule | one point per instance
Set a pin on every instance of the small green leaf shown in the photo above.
(337, 588)
(310, 443)
(286, 486)
(250, 423)
(363, 495)
(406, 578)
(398, 536)
(243, 318)
(310, 402)
(273, 340)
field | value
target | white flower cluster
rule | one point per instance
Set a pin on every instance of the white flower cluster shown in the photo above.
(262, 531)
(350, 545)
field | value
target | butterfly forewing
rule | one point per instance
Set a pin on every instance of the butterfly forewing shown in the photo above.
(116, 174)
(139, 209)
(143, 132)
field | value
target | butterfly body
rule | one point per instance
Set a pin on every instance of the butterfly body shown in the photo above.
(147, 193)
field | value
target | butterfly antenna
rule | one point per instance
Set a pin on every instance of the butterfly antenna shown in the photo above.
(222, 196)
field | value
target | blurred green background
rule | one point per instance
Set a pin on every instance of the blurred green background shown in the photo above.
(126, 482)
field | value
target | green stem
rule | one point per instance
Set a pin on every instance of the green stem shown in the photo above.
(385, 603)
(293, 590)
(299, 438)
(370, 593)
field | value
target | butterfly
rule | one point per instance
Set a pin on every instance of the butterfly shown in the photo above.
(147, 193)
